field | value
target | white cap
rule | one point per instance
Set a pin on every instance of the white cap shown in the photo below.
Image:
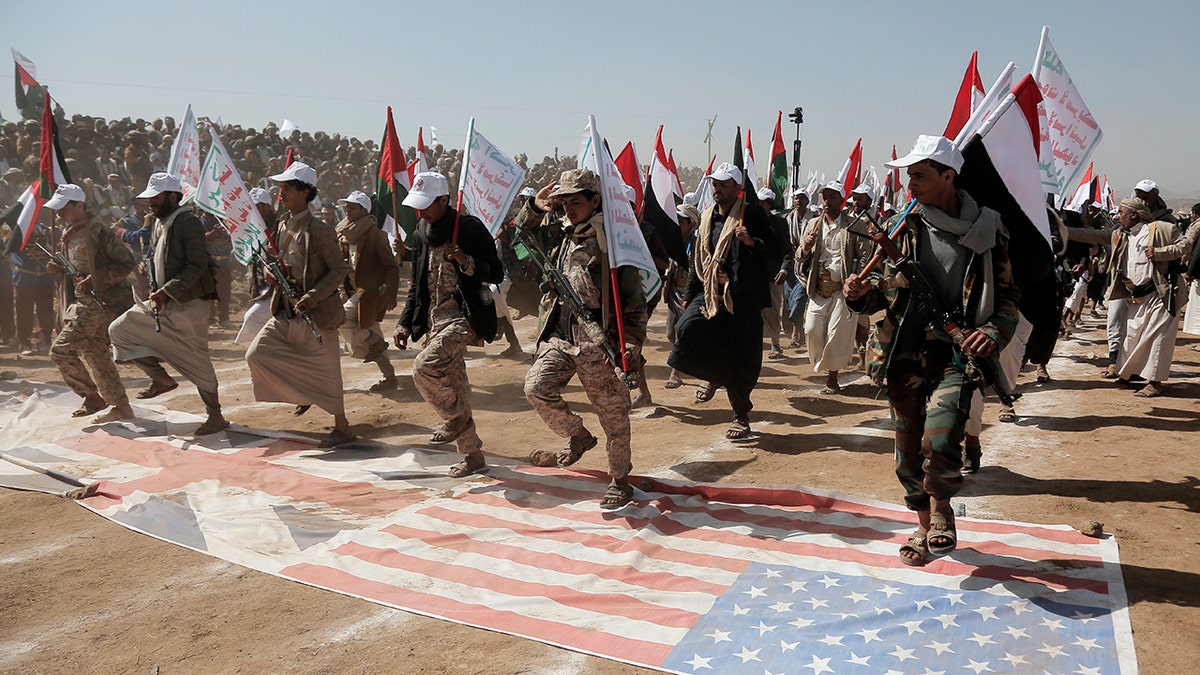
(836, 186)
(260, 196)
(527, 192)
(726, 171)
(63, 195)
(691, 199)
(938, 148)
(765, 194)
(796, 192)
(427, 186)
(357, 197)
(159, 183)
(887, 206)
(1146, 185)
(297, 171)
(864, 189)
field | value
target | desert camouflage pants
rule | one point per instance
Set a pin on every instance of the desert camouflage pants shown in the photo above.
(930, 401)
(83, 346)
(553, 369)
(440, 374)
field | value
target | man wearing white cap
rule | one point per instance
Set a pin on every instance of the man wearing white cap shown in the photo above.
(778, 262)
(174, 327)
(288, 364)
(1147, 191)
(83, 344)
(371, 285)
(795, 288)
(261, 198)
(450, 306)
(719, 336)
(962, 249)
(831, 252)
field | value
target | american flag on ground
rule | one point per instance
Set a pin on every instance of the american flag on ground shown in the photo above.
(689, 579)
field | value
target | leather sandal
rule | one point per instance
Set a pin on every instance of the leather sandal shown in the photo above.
(157, 389)
(917, 550)
(472, 463)
(336, 438)
(705, 393)
(619, 494)
(941, 525)
(739, 430)
(443, 435)
(89, 407)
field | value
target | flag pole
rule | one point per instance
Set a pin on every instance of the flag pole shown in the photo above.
(597, 148)
(462, 175)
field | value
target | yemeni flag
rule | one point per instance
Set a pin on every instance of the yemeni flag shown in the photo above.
(750, 171)
(674, 171)
(851, 171)
(970, 92)
(391, 186)
(891, 184)
(1001, 172)
(627, 165)
(778, 180)
(52, 172)
(1086, 192)
(749, 193)
(661, 195)
(27, 88)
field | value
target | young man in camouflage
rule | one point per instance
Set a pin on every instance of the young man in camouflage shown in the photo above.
(450, 305)
(82, 345)
(564, 346)
(962, 249)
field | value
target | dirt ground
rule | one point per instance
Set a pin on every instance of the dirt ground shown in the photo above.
(81, 594)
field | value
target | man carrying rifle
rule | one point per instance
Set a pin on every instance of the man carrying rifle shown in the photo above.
(570, 343)
(97, 265)
(449, 305)
(172, 325)
(961, 250)
(295, 357)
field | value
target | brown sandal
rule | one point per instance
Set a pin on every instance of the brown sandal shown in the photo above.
(442, 435)
(472, 463)
(917, 548)
(619, 494)
(941, 525)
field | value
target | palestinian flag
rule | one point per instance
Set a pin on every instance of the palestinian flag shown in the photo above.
(391, 186)
(420, 163)
(778, 180)
(970, 93)
(28, 91)
(52, 172)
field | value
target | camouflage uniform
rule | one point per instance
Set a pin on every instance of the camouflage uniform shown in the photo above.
(918, 367)
(440, 371)
(565, 349)
(452, 309)
(83, 343)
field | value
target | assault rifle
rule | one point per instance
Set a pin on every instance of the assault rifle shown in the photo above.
(153, 290)
(586, 316)
(950, 319)
(70, 270)
(287, 286)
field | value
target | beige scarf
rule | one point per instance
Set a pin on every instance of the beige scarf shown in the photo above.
(709, 265)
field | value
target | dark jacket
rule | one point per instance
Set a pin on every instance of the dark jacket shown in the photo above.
(188, 273)
(478, 307)
(750, 277)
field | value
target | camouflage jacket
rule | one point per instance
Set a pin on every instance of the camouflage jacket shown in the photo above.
(889, 292)
(581, 261)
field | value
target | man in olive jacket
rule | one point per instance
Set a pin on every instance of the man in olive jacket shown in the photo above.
(370, 286)
(173, 325)
(451, 306)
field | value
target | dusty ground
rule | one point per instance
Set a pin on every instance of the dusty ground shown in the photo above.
(82, 594)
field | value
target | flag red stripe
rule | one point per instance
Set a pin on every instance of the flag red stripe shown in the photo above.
(661, 581)
(600, 603)
(590, 641)
(728, 536)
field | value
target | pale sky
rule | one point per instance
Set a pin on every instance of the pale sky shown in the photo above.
(531, 72)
